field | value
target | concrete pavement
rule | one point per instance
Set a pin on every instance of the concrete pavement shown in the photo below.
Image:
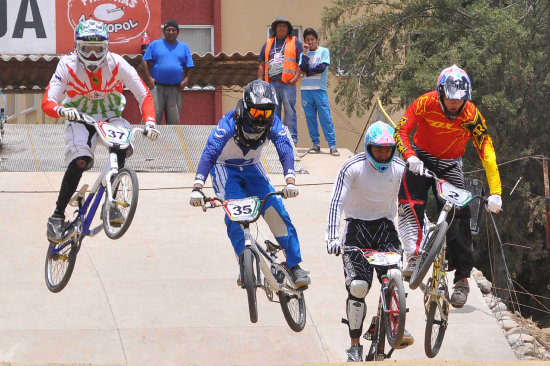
(166, 292)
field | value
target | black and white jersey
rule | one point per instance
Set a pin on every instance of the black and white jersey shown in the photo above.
(362, 192)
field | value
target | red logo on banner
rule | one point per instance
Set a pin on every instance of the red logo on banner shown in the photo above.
(125, 19)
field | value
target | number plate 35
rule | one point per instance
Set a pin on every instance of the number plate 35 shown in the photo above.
(244, 209)
(113, 134)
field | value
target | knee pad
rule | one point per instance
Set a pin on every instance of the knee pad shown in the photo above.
(358, 289)
(356, 309)
(275, 222)
(80, 164)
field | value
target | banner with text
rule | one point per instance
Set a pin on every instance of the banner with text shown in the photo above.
(47, 26)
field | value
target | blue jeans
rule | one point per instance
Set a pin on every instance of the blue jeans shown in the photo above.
(231, 182)
(316, 102)
(286, 96)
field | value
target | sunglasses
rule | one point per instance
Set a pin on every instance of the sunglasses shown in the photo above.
(255, 112)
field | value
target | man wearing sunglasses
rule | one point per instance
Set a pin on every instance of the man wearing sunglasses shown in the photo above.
(232, 157)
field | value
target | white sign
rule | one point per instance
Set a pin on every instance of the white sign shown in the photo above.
(27, 27)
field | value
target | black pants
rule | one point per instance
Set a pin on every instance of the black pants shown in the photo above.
(379, 235)
(413, 196)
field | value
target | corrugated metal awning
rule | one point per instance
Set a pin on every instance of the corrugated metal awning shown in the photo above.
(31, 73)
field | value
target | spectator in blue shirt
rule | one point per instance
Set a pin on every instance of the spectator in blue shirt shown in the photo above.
(172, 66)
(314, 61)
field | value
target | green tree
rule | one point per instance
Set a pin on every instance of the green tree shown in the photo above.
(397, 48)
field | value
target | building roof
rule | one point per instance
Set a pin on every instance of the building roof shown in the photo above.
(31, 73)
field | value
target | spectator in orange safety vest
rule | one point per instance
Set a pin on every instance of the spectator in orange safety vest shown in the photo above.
(279, 60)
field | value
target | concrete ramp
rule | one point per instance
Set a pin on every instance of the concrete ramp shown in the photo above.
(166, 293)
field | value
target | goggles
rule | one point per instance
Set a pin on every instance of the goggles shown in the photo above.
(88, 49)
(256, 113)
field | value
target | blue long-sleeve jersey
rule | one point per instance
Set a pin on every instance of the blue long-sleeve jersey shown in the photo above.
(222, 147)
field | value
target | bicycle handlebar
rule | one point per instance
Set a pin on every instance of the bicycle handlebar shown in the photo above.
(89, 120)
(212, 201)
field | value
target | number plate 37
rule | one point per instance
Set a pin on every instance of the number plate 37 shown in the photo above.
(113, 134)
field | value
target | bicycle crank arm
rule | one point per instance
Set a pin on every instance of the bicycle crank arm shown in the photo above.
(95, 230)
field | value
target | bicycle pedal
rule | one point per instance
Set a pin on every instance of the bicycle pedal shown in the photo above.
(272, 247)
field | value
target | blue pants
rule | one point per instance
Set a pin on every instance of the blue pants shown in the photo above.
(316, 102)
(232, 182)
(286, 96)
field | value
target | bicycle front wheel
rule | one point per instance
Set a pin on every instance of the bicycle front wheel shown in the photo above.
(60, 260)
(436, 325)
(294, 310)
(248, 267)
(118, 218)
(397, 311)
(378, 345)
(431, 250)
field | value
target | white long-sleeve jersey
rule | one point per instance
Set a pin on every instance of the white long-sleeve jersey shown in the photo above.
(364, 193)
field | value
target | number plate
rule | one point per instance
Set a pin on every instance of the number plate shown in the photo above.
(457, 196)
(113, 134)
(383, 259)
(244, 209)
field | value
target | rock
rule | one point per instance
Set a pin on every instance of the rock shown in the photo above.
(501, 314)
(494, 302)
(485, 286)
(477, 274)
(525, 351)
(508, 324)
(518, 330)
(525, 338)
(499, 307)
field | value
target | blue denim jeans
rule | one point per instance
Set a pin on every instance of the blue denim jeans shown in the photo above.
(286, 96)
(316, 102)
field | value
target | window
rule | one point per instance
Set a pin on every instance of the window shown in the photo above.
(296, 31)
(199, 38)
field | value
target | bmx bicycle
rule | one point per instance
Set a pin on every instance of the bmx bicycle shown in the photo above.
(432, 251)
(389, 321)
(259, 266)
(120, 188)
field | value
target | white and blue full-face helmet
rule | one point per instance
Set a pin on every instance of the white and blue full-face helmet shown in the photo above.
(453, 83)
(379, 134)
(91, 43)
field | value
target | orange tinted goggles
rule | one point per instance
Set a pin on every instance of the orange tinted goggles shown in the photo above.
(255, 112)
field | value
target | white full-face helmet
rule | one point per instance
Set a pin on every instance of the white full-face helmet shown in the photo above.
(91, 43)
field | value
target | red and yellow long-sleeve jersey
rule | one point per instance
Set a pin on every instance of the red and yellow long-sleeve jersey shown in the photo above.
(445, 138)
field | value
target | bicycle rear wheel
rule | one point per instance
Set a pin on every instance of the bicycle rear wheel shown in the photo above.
(294, 310)
(436, 325)
(431, 250)
(248, 268)
(125, 193)
(60, 260)
(397, 311)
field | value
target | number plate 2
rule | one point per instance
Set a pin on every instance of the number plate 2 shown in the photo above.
(244, 209)
(457, 196)
(113, 134)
